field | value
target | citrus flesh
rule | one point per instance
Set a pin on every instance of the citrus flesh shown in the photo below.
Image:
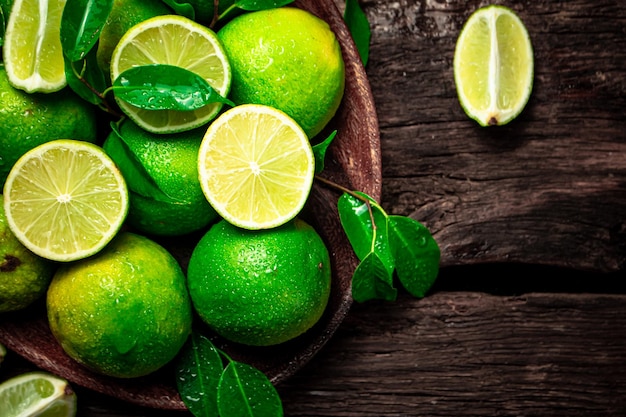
(124, 312)
(173, 40)
(289, 59)
(28, 120)
(493, 66)
(260, 287)
(124, 15)
(65, 199)
(32, 51)
(171, 162)
(256, 166)
(24, 276)
(37, 394)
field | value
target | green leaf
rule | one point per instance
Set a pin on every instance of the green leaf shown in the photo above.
(254, 5)
(2, 26)
(245, 391)
(319, 151)
(137, 178)
(165, 87)
(88, 70)
(81, 24)
(182, 8)
(359, 27)
(198, 371)
(416, 254)
(372, 280)
(365, 237)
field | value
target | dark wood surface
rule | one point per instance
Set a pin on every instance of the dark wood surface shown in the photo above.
(528, 317)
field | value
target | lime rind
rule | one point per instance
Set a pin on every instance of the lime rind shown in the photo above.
(144, 50)
(246, 187)
(37, 394)
(493, 66)
(65, 200)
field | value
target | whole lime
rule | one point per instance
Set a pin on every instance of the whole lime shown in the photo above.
(24, 276)
(289, 59)
(124, 312)
(124, 15)
(171, 161)
(28, 120)
(260, 287)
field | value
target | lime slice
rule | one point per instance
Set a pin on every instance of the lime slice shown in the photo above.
(37, 394)
(256, 166)
(493, 66)
(32, 50)
(173, 40)
(65, 199)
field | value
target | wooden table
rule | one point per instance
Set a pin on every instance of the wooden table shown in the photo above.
(528, 316)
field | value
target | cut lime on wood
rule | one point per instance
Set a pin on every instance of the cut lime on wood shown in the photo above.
(173, 40)
(256, 166)
(65, 199)
(493, 66)
(37, 394)
(32, 51)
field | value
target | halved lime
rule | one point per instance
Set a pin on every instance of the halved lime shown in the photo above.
(493, 66)
(65, 199)
(32, 51)
(256, 166)
(173, 40)
(37, 394)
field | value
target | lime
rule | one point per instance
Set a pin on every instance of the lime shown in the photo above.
(256, 166)
(28, 120)
(289, 59)
(65, 199)
(37, 394)
(24, 276)
(124, 15)
(260, 287)
(124, 312)
(493, 66)
(171, 162)
(32, 49)
(173, 40)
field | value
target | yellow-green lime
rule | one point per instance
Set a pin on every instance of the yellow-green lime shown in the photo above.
(37, 394)
(24, 276)
(28, 120)
(32, 51)
(493, 66)
(289, 59)
(256, 166)
(260, 287)
(178, 41)
(65, 199)
(170, 161)
(124, 312)
(124, 15)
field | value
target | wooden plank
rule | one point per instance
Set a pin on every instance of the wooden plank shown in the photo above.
(550, 187)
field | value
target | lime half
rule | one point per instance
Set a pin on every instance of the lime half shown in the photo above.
(37, 394)
(256, 166)
(493, 66)
(65, 199)
(173, 40)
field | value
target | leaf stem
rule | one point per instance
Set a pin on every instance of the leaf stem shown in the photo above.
(358, 196)
(103, 101)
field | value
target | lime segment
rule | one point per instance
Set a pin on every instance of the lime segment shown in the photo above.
(65, 199)
(32, 52)
(37, 394)
(256, 166)
(493, 66)
(173, 40)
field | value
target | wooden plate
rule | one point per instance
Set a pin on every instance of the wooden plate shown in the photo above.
(353, 161)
